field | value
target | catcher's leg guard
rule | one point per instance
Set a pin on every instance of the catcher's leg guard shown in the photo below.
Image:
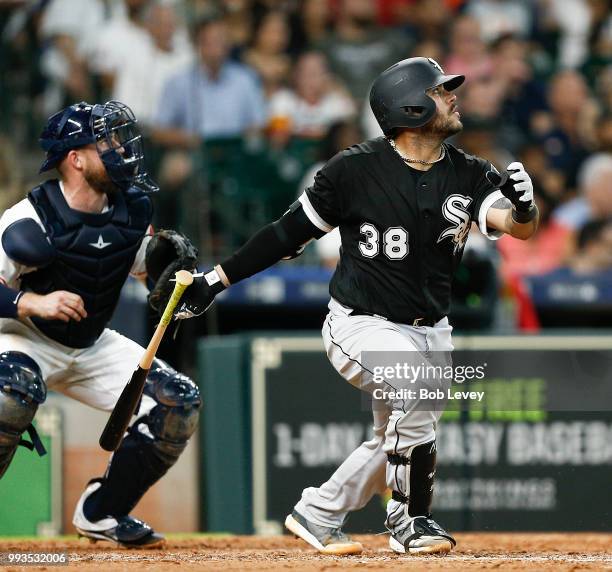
(153, 444)
(22, 390)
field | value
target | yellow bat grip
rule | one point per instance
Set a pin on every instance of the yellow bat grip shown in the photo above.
(183, 279)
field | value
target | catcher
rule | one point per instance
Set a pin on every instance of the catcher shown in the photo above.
(66, 251)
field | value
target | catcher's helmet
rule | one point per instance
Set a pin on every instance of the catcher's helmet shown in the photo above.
(112, 127)
(398, 97)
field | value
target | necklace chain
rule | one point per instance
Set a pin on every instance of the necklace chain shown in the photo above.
(421, 161)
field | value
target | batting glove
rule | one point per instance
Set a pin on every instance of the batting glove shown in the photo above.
(515, 184)
(200, 295)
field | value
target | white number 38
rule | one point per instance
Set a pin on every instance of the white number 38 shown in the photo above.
(395, 242)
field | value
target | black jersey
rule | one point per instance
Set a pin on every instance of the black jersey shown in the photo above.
(403, 231)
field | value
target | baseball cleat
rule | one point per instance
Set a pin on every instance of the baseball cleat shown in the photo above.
(125, 531)
(422, 536)
(326, 540)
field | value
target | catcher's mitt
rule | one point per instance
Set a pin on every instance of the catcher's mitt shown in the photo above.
(167, 253)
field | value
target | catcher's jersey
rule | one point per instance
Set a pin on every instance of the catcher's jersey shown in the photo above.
(403, 231)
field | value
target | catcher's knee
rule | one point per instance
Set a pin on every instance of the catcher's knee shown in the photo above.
(22, 390)
(175, 417)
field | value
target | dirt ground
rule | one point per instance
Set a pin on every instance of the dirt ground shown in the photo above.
(475, 551)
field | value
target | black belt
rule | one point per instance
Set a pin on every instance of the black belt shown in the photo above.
(430, 322)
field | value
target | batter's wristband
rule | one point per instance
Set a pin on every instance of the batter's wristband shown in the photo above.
(522, 217)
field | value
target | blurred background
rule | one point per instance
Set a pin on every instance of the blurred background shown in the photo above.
(241, 102)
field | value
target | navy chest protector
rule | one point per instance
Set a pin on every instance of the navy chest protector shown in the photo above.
(94, 255)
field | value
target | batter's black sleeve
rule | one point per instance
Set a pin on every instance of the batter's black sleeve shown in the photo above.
(485, 196)
(272, 243)
(322, 201)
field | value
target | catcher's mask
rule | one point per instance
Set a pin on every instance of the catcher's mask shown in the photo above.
(398, 96)
(113, 128)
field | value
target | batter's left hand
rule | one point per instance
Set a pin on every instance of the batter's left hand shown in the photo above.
(515, 184)
(199, 296)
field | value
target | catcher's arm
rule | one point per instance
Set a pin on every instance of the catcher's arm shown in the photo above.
(275, 241)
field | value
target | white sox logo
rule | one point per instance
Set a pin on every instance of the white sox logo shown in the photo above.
(455, 212)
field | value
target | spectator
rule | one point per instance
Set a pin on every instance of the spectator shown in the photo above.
(12, 186)
(600, 37)
(571, 22)
(357, 50)
(313, 104)
(594, 253)
(214, 98)
(551, 181)
(604, 85)
(309, 25)
(21, 80)
(139, 78)
(239, 20)
(523, 98)
(268, 52)
(468, 52)
(502, 17)
(604, 133)
(431, 19)
(428, 48)
(123, 36)
(571, 130)
(595, 194)
(482, 99)
(70, 28)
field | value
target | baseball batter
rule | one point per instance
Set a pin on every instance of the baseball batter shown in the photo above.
(66, 251)
(404, 204)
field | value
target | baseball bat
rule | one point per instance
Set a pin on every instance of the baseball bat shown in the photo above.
(126, 405)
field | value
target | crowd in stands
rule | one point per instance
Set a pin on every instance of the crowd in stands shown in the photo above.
(239, 100)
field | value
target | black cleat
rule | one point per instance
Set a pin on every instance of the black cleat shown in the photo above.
(125, 531)
(422, 536)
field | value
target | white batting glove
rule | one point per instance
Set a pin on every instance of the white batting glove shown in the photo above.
(515, 184)
(521, 194)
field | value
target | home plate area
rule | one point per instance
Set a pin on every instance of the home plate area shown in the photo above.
(481, 551)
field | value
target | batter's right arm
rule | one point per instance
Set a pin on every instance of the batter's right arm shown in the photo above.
(520, 221)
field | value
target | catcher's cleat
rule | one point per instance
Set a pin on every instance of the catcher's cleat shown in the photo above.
(422, 536)
(326, 540)
(125, 531)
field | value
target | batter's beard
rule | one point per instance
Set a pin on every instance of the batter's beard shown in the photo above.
(100, 181)
(444, 127)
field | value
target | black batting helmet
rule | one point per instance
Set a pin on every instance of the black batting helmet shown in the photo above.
(398, 95)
